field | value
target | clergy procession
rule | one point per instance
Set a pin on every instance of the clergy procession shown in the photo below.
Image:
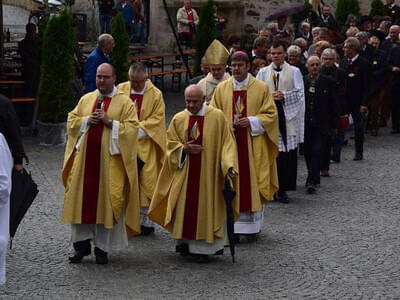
(209, 176)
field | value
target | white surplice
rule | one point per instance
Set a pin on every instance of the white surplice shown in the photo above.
(6, 164)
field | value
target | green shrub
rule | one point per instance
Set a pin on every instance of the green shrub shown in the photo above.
(119, 56)
(57, 69)
(206, 33)
(377, 8)
(298, 18)
(344, 8)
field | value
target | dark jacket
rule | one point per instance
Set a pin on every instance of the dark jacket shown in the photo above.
(394, 61)
(127, 12)
(394, 13)
(106, 7)
(379, 69)
(339, 76)
(357, 83)
(322, 109)
(95, 59)
(10, 129)
(367, 52)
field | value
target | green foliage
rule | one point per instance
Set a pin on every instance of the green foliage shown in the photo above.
(57, 69)
(119, 56)
(298, 18)
(377, 8)
(37, 50)
(344, 8)
(206, 33)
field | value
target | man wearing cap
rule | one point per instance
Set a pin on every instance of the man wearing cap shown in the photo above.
(248, 105)
(217, 57)
(286, 84)
(150, 109)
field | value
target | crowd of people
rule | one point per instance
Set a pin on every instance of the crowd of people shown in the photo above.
(235, 147)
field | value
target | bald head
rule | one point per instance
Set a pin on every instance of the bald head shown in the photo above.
(394, 32)
(313, 66)
(105, 78)
(194, 98)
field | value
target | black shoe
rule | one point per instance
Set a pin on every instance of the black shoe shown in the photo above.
(144, 230)
(82, 249)
(283, 197)
(183, 249)
(358, 156)
(101, 256)
(311, 188)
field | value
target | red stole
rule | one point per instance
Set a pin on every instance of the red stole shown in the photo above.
(189, 14)
(138, 100)
(193, 183)
(240, 111)
(91, 179)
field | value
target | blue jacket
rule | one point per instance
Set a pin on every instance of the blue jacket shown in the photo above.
(95, 59)
(127, 12)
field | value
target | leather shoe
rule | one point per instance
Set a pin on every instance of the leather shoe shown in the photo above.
(77, 258)
(282, 197)
(144, 230)
(358, 156)
(101, 256)
(311, 188)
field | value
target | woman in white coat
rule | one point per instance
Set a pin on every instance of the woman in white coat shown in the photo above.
(6, 164)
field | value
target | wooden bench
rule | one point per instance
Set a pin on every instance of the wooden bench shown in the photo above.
(19, 100)
(176, 77)
(8, 83)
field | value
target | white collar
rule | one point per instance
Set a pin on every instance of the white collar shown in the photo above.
(141, 92)
(110, 95)
(238, 85)
(354, 58)
(275, 66)
(201, 112)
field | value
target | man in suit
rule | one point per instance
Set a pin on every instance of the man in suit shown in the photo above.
(357, 93)
(327, 19)
(394, 67)
(393, 11)
(394, 32)
(366, 50)
(260, 48)
(321, 117)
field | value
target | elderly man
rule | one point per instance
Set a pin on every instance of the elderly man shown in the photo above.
(302, 43)
(321, 116)
(151, 151)
(333, 149)
(100, 55)
(366, 49)
(294, 58)
(100, 170)
(286, 84)
(201, 156)
(248, 105)
(358, 89)
(217, 57)
(6, 163)
(187, 20)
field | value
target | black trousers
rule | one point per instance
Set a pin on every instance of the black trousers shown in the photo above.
(314, 146)
(360, 122)
(287, 170)
(395, 100)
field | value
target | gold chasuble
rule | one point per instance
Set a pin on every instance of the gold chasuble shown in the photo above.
(258, 180)
(151, 114)
(98, 179)
(188, 198)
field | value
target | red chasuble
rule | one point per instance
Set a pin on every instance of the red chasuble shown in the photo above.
(195, 133)
(91, 179)
(240, 111)
(137, 100)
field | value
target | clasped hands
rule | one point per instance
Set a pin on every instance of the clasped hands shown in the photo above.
(99, 116)
(278, 95)
(192, 148)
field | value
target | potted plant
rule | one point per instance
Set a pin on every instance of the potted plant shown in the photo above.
(57, 70)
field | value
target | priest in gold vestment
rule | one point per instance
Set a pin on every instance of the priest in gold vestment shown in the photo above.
(100, 170)
(217, 57)
(152, 135)
(188, 199)
(249, 107)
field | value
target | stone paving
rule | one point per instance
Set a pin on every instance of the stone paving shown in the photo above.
(341, 243)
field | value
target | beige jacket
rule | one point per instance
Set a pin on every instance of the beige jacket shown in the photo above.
(182, 20)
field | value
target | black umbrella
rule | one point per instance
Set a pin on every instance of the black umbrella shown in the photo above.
(282, 122)
(23, 192)
(229, 195)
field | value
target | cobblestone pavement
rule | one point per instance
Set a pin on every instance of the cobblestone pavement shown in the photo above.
(342, 243)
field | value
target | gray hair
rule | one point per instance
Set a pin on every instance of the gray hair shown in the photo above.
(137, 67)
(324, 30)
(362, 35)
(305, 24)
(329, 52)
(353, 43)
(294, 49)
(352, 31)
(386, 24)
(104, 39)
(315, 29)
